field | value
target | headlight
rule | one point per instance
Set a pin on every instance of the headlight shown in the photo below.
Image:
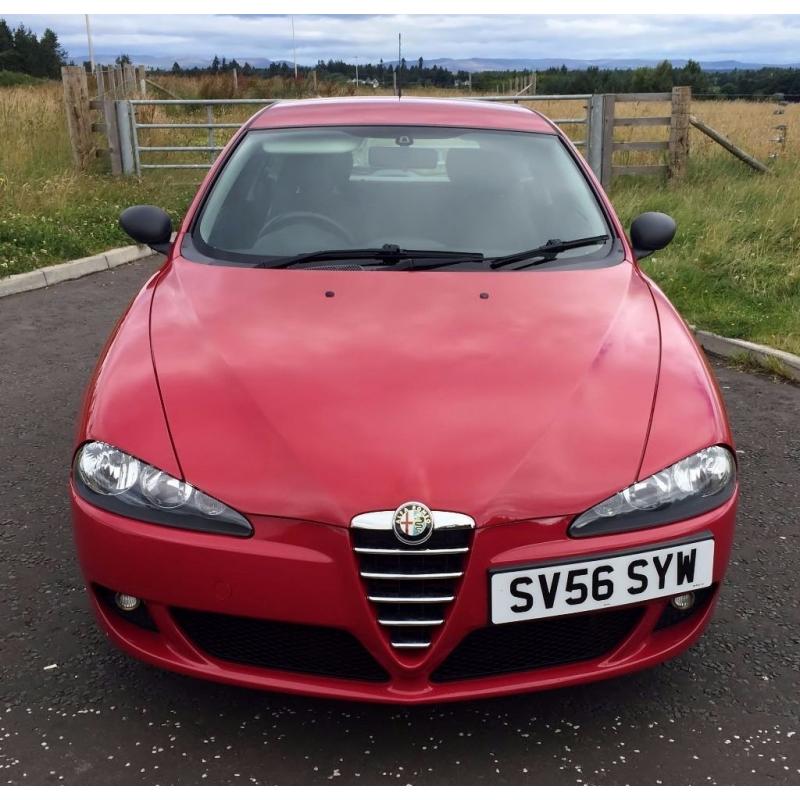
(118, 482)
(696, 484)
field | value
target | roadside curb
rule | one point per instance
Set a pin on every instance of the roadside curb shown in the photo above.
(47, 276)
(789, 364)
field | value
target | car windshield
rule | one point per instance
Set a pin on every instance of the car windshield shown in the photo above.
(288, 192)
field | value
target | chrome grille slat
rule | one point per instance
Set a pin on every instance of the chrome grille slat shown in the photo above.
(408, 645)
(441, 551)
(411, 595)
(411, 599)
(419, 576)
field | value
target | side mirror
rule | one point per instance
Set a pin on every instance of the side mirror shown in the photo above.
(148, 225)
(651, 231)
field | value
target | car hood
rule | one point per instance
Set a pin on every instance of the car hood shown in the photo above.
(322, 394)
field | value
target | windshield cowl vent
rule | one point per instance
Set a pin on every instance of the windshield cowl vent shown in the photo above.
(338, 267)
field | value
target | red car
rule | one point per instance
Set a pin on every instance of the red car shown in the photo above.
(401, 419)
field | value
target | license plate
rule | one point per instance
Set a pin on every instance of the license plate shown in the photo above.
(551, 590)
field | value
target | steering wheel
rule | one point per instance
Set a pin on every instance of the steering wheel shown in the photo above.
(291, 217)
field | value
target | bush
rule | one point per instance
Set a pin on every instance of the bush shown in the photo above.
(17, 79)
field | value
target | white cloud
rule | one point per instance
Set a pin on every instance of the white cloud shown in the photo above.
(758, 38)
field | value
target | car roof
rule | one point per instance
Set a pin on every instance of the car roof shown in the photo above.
(401, 111)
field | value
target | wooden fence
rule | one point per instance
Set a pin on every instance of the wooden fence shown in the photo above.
(95, 103)
(604, 121)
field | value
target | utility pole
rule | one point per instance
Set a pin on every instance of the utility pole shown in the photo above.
(356, 73)
(89, 37)
(398, 75)
(294, 50)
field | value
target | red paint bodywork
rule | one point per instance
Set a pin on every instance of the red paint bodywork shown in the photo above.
(301, 411)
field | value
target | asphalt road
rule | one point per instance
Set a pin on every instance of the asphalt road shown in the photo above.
(728, 711)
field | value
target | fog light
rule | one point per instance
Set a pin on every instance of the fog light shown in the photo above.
(683, 602)
(126, 602)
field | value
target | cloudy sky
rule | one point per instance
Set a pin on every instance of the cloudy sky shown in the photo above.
(770, 39)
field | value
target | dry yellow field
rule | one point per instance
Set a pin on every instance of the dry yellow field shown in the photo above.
(33, 127)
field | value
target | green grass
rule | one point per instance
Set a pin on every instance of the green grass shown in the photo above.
(77, 216)
(734, 267)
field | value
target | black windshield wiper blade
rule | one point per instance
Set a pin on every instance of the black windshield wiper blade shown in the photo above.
(547, 251)
(386, 254)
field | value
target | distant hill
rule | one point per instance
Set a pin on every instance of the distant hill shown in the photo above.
(452, 64)
(534, 64)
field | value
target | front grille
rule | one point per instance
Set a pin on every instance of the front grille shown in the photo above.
(523, 646)
(411, 586)
(280, 645)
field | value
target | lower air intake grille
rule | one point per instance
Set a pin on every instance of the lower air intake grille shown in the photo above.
(280, 645)
(411, 586)
(523, 646)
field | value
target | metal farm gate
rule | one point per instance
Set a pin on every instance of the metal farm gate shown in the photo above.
(138, 158)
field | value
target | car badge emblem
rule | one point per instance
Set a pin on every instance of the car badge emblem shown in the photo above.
(413, 523)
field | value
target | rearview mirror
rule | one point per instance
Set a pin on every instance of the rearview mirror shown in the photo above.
(651, 231)
(148, 225)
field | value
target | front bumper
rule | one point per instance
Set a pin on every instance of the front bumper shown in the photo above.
(306, 574)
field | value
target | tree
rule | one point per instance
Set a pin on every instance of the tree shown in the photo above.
(662, 77)
(176, 68)
(215, 65)
(26, 50)
(6, 37)
(8, 56)
(52, 54)
(122, 59)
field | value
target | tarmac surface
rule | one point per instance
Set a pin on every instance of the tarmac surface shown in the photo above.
(73, 710)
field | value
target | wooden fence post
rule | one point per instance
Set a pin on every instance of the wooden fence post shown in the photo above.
(235, 76)
(728, 145)
(130, 80)
(141, 78)
(594, 134)
(111, 81)
(110, 120)
(679, 131)
(607, 146)
(76, 101)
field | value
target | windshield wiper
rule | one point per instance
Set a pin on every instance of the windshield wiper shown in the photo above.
(547, 252)
(388, 254)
